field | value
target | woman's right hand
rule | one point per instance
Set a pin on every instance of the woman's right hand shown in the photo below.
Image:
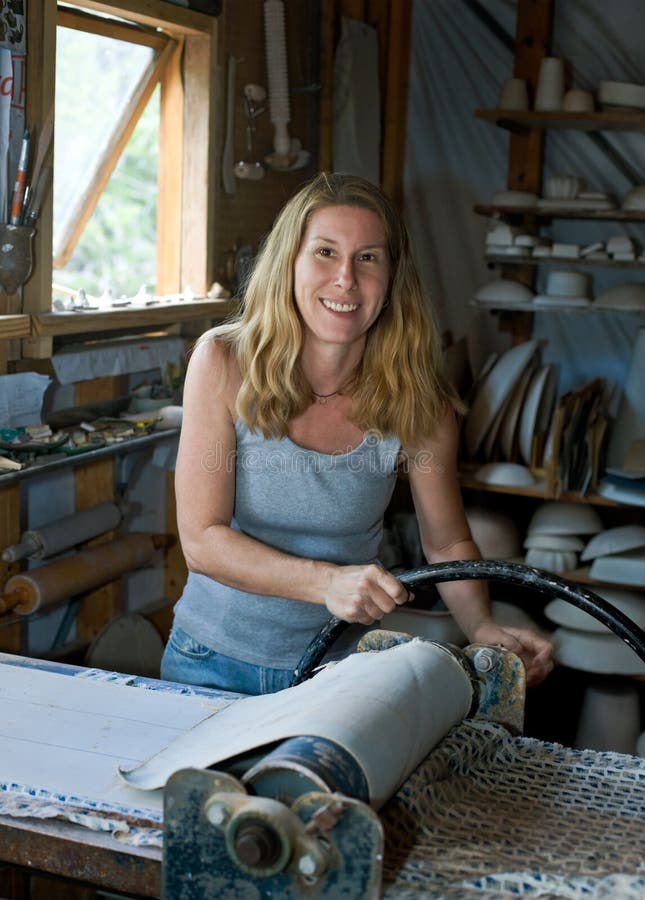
(362, 594)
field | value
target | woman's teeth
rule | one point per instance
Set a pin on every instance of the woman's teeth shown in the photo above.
(340, 307)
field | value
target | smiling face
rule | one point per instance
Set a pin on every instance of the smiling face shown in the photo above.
(341, 274)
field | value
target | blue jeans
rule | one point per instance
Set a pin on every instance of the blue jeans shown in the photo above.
(187, 661)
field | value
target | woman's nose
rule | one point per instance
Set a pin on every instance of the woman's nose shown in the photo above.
(345, 276)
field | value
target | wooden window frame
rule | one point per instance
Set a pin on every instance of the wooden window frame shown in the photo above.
(186, 189)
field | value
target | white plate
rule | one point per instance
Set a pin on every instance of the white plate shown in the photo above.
(493, 391)
(615, 540)
(491, 438)
(603, 653)
(562, 517)
(512, 413)
(631, 603)
(537, 409)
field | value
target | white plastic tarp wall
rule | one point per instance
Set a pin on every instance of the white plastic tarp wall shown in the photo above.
(454, 160)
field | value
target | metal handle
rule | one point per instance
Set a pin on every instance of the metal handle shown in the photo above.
(495, 570)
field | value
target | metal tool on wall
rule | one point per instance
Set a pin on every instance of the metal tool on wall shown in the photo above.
(251, 169)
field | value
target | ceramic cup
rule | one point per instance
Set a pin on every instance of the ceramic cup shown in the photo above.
(578, 101)
(550, 85)
(514, 94)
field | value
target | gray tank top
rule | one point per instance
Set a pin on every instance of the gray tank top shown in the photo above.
(308, 504)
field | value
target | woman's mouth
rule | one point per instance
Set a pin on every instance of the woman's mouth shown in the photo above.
(339, 307)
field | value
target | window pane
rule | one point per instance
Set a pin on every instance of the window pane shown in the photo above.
(96, 77)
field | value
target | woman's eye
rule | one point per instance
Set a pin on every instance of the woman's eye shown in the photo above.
(324, 251)
(367, 257)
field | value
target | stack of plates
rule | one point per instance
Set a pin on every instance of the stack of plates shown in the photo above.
(494, 391)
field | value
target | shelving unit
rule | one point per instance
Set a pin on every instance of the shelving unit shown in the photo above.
(533, 214)
(532, 308)
(603, 120)
(508, 260)
(53, 324)
(525, 163)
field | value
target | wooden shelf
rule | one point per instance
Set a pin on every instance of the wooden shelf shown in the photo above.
(49, 462)
(503, 260)
(531, 307)
(582, 576)
(603, 120)
(532, 212)
(54, 324)
(468, 481)
(14, 327)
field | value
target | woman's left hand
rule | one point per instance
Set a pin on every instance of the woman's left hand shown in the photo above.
(535, 651)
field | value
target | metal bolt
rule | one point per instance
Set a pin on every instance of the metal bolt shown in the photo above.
(307, 865)
(484, 660)
(217, 814)
(257, 844)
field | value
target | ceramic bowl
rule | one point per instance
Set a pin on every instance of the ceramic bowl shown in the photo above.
(561, 517)
(578, 101)
(622, 296)
(635, 199)
(620, 568)
(553, 542)
(567, 284)
(505, 473)
(615, 540)
(631, 603)
(621, 93)
(564, 187)
(557, 561)
(521, 199)
(504, 290)
(603, 653)
(514, 94)
(495, 533)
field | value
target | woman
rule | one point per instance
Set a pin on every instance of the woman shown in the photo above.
(295, 420)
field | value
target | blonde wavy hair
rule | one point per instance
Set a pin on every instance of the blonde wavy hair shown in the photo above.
(399, 387)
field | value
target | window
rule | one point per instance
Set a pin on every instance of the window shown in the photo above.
(164, 94)
(106, 152)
